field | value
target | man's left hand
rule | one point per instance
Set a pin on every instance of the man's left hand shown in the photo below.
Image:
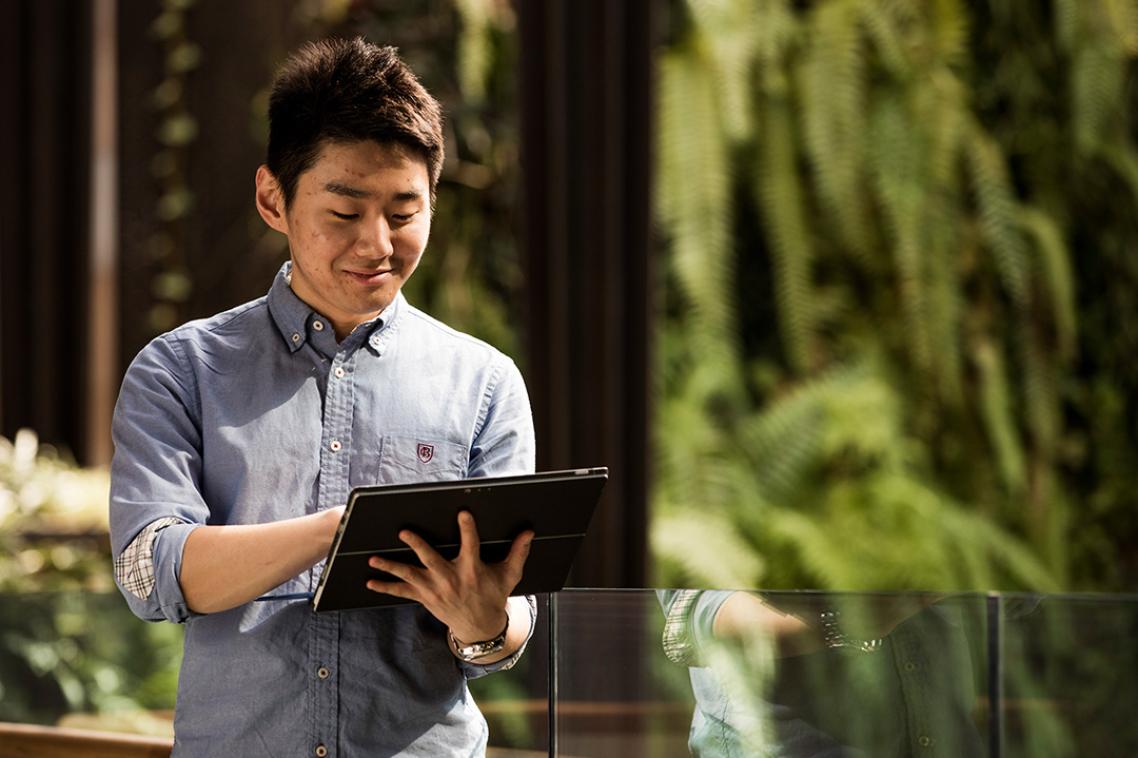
(467, 595)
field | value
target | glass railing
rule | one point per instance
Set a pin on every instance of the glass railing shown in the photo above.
(679, 673)
(666, 673)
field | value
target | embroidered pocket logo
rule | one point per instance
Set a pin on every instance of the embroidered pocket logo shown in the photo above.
(426, 453)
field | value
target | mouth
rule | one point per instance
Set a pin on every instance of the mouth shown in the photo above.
(370, 277)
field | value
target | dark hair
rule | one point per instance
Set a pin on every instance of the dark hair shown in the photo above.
(340, 90)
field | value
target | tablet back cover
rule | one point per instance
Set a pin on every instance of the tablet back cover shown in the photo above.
(556, 505)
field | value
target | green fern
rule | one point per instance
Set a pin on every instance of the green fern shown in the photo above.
(693, 197)
(832, 91)
(1058, 279)
(997, 208)
(733, 26)
(782, 206)
(905, 423)
(997, 411)
(1096, 93)
(737, 565)
(900, 189)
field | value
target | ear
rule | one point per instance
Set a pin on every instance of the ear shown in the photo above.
(270, 200)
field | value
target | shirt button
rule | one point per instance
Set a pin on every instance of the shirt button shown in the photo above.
(335, 446)
(295, 337)
(318, 325)
(323, 672)
(321, 751)
(910, 666)
(925, 741)
(339, 372)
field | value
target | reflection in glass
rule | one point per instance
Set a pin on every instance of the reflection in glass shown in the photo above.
(808, 674)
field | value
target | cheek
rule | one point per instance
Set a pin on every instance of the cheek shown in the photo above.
(323, 243)
(409, 245)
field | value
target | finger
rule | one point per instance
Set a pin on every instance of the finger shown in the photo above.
(516, 560)
(407, 573)
(470, 541)
(397, 589)
(428, 556)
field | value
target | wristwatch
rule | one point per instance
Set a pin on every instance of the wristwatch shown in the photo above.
(472, 651)
(835, 637)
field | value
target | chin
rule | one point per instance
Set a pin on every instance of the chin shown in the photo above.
(379, 302)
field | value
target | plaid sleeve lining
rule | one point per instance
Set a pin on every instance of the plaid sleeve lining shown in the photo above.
(134, 567)
(679, 647)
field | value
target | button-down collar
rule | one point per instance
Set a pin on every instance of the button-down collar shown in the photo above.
(295, 320)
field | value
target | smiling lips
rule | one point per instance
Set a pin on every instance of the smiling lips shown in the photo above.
(371, 277)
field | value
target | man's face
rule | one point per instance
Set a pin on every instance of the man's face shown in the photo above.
(357, 226)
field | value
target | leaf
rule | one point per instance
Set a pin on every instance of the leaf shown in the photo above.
(782, 207)
(1055, 266)
(998, 209)
(707, 549)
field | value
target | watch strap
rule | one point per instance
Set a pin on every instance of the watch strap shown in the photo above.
(471, 651)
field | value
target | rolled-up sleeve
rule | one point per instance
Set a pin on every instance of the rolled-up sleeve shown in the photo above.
(156, 496)
(504, 446)
(689, 622)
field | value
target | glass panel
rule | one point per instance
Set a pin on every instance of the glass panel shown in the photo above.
(616, 694)
(795, 674)
(1070, 676)
(516, 702)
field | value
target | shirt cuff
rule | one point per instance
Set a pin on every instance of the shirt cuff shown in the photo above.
(168, 549)
(134, 566)
(148, 571)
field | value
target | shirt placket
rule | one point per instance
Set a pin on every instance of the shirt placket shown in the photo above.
(332, 491)
(912, 667)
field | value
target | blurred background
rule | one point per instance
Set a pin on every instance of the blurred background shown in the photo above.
(845, 292)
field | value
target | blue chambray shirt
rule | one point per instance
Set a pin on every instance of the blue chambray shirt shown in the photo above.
(257, 415)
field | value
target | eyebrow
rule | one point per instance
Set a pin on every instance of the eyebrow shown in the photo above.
(336, 188)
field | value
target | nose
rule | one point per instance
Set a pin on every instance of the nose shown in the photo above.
(375, 238)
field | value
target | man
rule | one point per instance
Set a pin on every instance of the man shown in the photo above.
(239, 437)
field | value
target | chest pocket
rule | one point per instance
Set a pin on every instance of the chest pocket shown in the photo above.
(419, 459)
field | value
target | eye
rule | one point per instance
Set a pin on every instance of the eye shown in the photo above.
(345, 216)
(402, 218)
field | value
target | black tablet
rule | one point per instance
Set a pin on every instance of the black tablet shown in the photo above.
(556, 505)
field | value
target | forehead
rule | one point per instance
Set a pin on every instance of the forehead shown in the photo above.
(368, 165)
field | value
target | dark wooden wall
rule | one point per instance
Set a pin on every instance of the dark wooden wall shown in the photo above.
(44, 176)
(586, 161)
(222, 242)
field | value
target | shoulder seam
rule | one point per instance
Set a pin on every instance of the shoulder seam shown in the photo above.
(488, 395)
(175, 342)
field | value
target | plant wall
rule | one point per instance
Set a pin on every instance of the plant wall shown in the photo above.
(899, 306)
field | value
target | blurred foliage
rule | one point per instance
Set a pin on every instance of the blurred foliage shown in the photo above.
(68, 642)
(53, 520)
(74, 653)
(882, 364)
